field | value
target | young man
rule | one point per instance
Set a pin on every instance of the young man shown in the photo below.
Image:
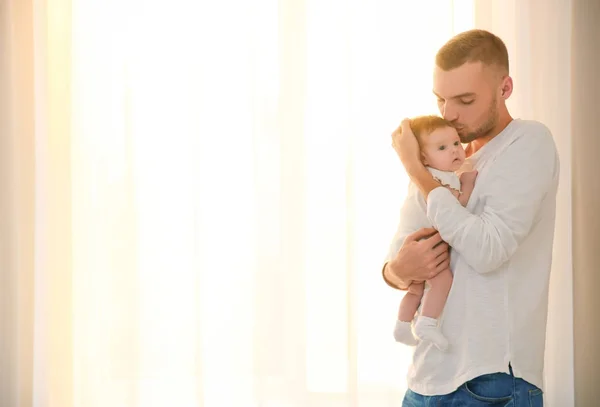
(495, 314)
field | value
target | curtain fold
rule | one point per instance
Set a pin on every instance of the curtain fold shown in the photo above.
(17, 147)
(53, 272)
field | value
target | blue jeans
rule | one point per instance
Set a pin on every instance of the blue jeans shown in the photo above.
(496, 389)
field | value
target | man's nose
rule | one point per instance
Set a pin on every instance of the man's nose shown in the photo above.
(449, 113)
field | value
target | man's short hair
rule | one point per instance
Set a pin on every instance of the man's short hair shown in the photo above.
(473, 46)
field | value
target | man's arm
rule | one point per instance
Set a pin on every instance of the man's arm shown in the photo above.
(422, 256)
(422, 178)
(392, 279)
(402, 261)
(408, 150)
(523, 174)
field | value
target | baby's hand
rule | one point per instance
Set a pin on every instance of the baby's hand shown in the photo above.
(467, 178)
(467, 184)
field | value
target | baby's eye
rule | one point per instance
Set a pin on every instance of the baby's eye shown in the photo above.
(442, 147)
(456, 143)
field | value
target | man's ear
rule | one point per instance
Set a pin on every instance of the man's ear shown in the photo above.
(507, 87)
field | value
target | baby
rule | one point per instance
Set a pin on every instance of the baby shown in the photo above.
(443, 155)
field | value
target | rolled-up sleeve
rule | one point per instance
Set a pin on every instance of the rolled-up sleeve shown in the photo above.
(516, 184)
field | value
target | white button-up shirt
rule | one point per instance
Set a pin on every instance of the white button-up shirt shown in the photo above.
(501, 255)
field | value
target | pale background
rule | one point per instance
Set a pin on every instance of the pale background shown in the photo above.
(197, 196)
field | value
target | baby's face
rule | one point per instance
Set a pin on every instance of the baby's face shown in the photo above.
(442, 150)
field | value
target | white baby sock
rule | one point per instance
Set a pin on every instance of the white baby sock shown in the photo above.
(403, 333)
(426, 329)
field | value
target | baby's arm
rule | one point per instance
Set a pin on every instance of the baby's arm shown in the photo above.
(467, 184)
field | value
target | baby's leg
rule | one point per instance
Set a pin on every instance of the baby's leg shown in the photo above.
(410, 302)
(433, 304)
(435, 299)
(406, 313)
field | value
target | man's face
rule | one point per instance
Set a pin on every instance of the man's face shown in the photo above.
(467, 98)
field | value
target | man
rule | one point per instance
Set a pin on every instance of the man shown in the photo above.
(495, 314)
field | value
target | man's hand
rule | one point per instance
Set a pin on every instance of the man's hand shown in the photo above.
(423, 255)
(406, 146)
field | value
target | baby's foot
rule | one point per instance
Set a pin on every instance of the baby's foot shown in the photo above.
(426, 329)
(403, 333)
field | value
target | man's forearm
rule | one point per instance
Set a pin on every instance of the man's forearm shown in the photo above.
(422, 178)
(392, 279)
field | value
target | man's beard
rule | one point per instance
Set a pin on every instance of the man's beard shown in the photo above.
(485, 128)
